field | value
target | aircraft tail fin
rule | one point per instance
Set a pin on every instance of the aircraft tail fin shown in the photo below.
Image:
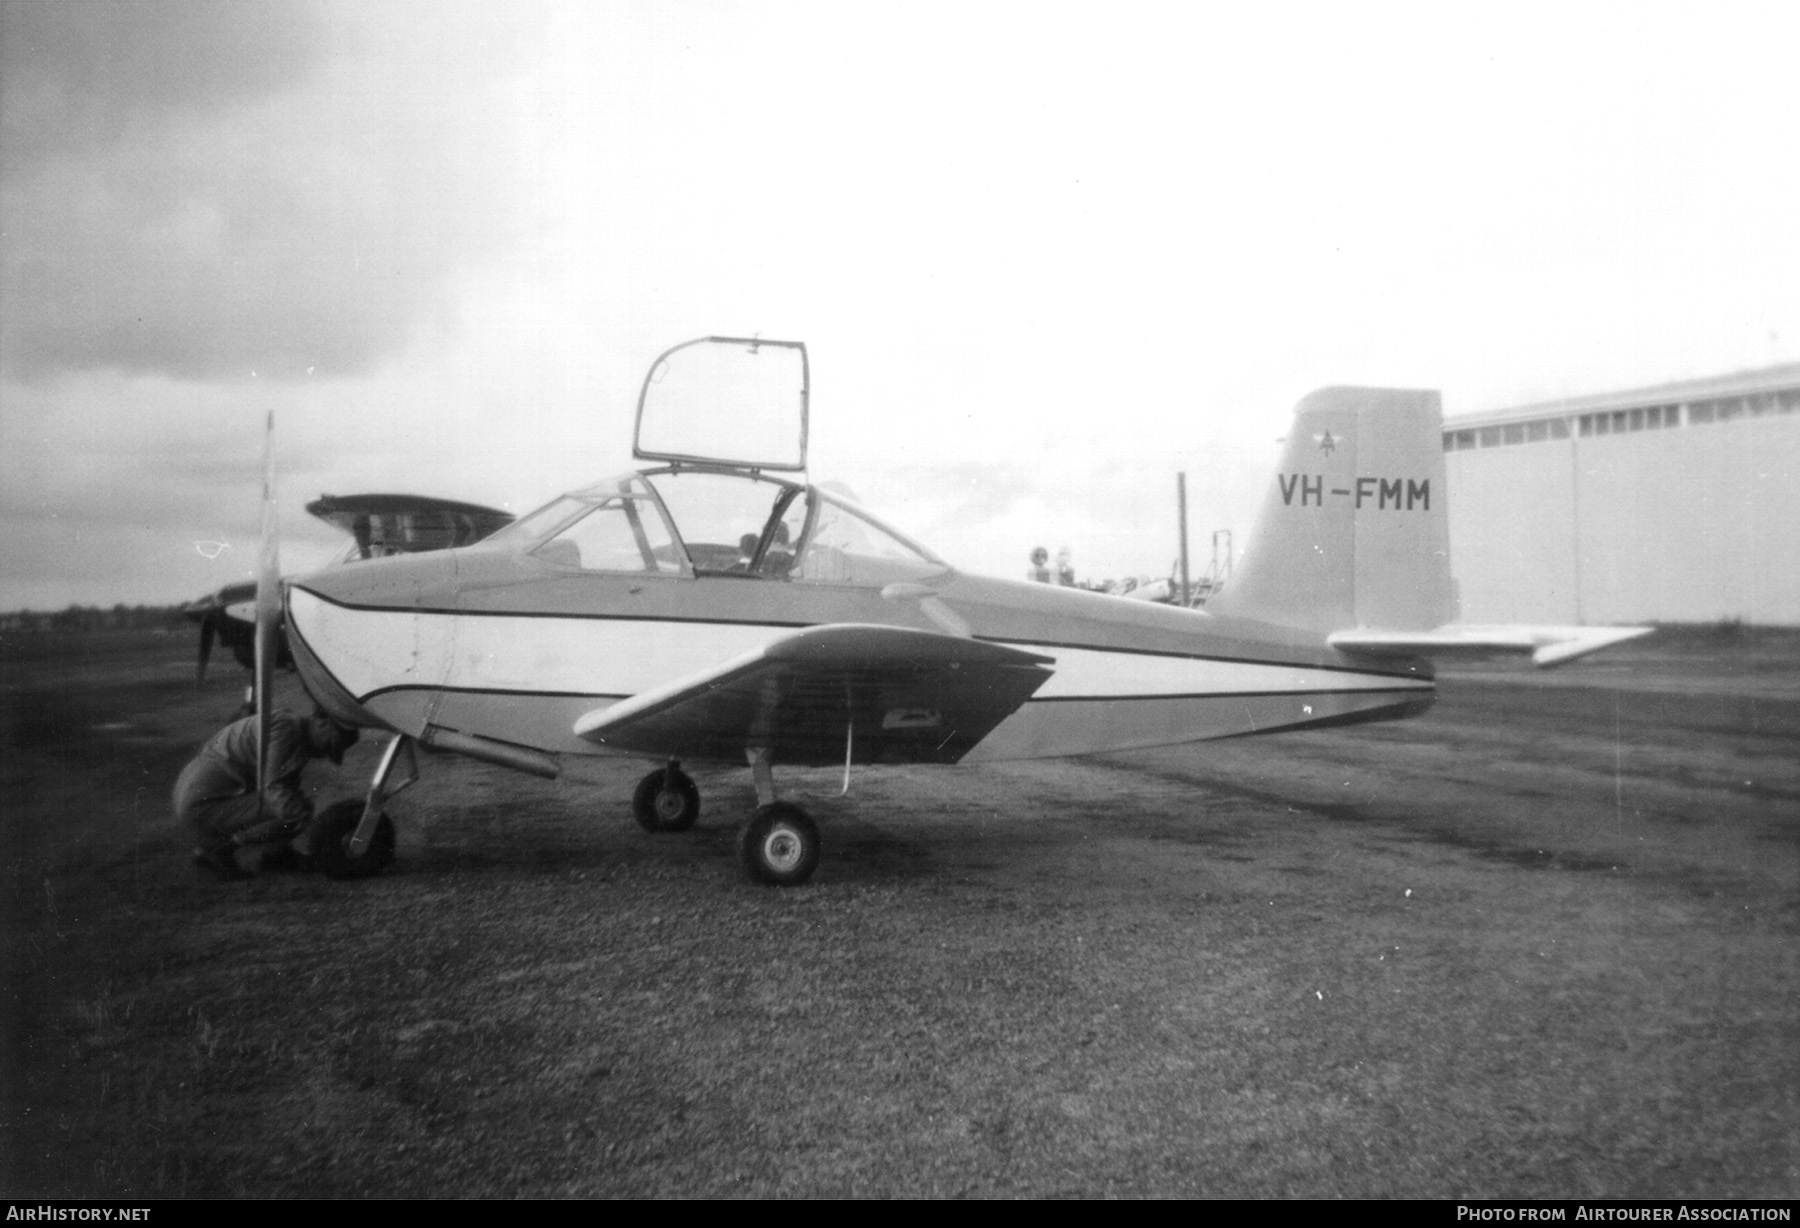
(1353, 532)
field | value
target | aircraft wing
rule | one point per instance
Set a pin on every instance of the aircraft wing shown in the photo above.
(1547, 645)
(825, 694)
(408, 524)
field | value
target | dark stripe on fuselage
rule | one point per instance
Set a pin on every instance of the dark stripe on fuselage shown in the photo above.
(1421, 702)
(1055, 699)
(1091, 699)
(1361, 671)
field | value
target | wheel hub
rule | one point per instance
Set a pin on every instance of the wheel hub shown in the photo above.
(782, 849)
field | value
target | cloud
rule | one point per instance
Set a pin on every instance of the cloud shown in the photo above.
(107, 483)
(1042, 269)
(220, 190)
(86, 76)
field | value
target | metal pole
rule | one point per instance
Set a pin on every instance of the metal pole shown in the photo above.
(1181, 503)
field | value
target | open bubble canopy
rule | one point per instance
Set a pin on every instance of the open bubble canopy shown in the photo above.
(726, 401)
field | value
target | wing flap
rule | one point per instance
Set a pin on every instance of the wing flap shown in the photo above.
(893, 694)
(1547, 645)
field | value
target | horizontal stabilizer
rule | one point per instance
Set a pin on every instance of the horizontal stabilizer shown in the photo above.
(1547, 645)
(816, 696)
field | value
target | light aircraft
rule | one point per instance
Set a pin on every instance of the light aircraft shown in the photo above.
(378, 526)
(715, 606)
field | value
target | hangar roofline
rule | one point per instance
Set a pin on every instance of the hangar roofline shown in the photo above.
(1761, 381)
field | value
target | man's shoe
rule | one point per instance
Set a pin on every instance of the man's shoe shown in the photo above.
(220, 864)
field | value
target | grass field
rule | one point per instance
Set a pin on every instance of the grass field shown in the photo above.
(1541, 942)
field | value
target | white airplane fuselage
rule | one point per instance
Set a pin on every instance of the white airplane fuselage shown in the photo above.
(496, 642)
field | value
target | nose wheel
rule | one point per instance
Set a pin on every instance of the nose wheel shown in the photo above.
(330, 842)
(780, 845)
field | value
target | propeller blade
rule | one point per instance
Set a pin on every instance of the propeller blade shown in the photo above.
(268, 612)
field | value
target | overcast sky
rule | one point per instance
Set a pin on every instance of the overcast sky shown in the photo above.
(1044, 256)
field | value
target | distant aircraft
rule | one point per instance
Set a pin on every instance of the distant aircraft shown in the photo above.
(710, 607)
(378, 526)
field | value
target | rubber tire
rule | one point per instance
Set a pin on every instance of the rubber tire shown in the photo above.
(780, 845)
(663, 810)
(330, 834)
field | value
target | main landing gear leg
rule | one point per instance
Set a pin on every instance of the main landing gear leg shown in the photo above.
(780, 844)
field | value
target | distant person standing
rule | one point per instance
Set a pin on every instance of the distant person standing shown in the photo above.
(216, 794)
(1065, 570)
(1040, 566)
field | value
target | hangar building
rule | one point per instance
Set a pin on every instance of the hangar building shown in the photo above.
(1676, 504)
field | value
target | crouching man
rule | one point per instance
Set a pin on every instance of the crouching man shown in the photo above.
(216, 793)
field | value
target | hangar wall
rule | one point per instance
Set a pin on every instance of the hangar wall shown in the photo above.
(1673, 504)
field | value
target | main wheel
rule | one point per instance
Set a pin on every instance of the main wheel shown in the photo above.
(780, 845)
(666, 800)
(329, 842)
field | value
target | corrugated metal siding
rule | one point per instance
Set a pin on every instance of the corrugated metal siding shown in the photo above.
(1692, 524)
